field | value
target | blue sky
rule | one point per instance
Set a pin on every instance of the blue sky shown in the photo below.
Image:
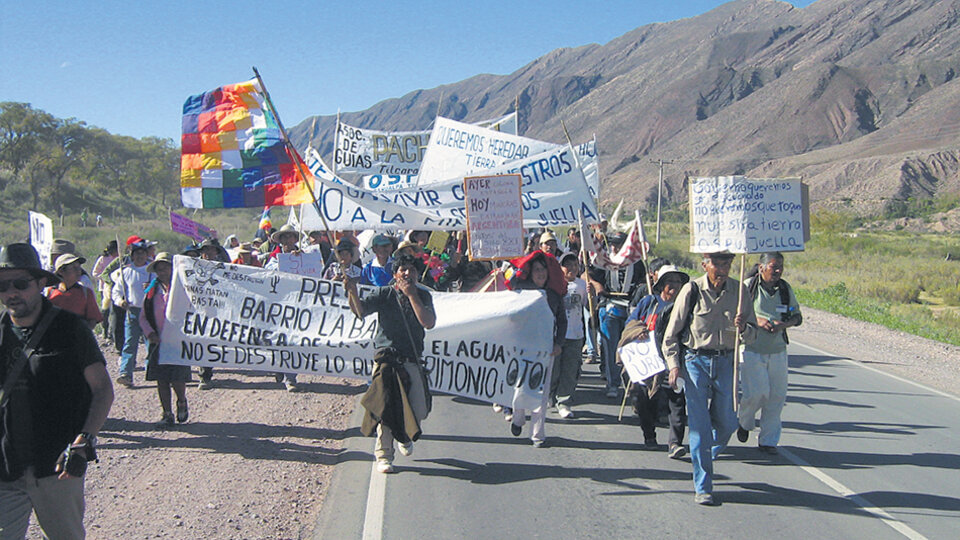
(128, 66)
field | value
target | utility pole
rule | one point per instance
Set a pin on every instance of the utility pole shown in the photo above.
(660, 162)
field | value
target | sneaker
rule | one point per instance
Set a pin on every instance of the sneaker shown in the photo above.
(166, 420)
(772, 450)
(205, 384)
(612, 392)
(651, 443)
(182, 412)
(125, 380)
(508, 416)
(676, 451)
(515, 429)
(291, 386)
(497, 408)
(384, 466)
(537, 443)
(704, 499)
(405, 449)
(564, 411)
(742, 434)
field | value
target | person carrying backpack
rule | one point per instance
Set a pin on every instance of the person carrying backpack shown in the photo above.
(652, 314)
(763, 375)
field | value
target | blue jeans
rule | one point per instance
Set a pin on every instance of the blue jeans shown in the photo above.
(708, 383)
(132, 331)
(612, 320)
(591, 349)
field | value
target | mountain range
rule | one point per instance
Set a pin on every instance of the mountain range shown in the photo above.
(857, 97)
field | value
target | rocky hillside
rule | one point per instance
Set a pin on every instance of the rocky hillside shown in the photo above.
(856, 96)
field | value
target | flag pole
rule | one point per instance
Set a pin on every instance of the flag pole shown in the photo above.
(297, 163)
(336, 136)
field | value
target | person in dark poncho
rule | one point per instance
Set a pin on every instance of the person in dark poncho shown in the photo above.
(398, 398)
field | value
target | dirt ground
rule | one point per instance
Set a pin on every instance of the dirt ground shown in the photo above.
(253, 461)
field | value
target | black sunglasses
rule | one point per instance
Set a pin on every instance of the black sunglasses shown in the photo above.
(19, 284)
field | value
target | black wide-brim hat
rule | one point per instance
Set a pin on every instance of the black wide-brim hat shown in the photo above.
(21, 256)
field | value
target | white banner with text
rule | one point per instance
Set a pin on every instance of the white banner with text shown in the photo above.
(493, 347)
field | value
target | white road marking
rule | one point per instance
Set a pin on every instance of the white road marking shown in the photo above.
(376, 496)
(852, 496)
(879, 371)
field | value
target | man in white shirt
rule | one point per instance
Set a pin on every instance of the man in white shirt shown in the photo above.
(129, 285)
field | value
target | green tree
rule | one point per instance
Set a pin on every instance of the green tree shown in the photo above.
(23, 130)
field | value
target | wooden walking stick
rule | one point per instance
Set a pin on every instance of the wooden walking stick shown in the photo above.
(736, 339)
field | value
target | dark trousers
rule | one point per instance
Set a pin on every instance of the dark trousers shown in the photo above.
(647, 410)
(118, 317)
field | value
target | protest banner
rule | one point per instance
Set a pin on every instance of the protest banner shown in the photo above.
(553, 191)
(385, 159)
(303, 264)
(456, 150)
(494, 216)
(641, 359)
(587, 157)
(493, 347)
(41, 237)
(185, 225)
(743, 215)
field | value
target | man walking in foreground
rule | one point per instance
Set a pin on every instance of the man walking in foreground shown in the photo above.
(698, 346)
(764, 368)
(405, 311)
(55, 396)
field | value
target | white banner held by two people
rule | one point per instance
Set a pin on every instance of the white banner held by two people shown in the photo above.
(493, 347)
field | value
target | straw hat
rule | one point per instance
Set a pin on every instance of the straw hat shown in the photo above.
(286, 229)
(163, 256)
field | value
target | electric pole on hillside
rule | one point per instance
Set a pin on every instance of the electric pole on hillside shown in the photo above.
(660, 162)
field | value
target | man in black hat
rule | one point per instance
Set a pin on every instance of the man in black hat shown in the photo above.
(52, 403)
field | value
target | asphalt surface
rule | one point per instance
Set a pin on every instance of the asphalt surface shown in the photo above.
(863, 455)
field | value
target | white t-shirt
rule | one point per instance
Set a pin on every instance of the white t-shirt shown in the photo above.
(573, 303)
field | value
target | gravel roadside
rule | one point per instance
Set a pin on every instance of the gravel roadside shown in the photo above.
(253, 461)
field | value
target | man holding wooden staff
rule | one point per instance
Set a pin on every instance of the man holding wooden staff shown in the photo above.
(699, 346)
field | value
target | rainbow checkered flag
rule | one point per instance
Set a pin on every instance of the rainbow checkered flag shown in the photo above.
(265, 222)
(233, 154)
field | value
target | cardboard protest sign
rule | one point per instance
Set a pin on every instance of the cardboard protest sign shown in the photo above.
(494, 216)
(437, 242)
(743, 215)
(641, 359)
(184, 225)
(303, 264)
(457, 150)
(494, 347)
(553, 191)
(41, 237)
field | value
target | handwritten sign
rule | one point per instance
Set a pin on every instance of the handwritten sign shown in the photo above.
(438, 241)
(743, 215)
(641, 359)
(303, 264)
(184, 225)
(494, 216)
(41, 237)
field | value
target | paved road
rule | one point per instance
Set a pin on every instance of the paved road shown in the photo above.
(864, 455)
